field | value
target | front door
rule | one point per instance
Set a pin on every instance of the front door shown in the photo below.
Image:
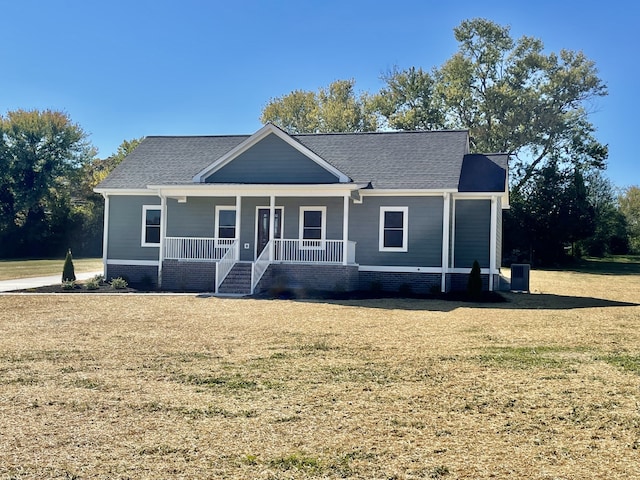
(262, 232)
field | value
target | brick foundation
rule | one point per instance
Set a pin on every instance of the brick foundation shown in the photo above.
(188, 276)
(407, 282)
(305, 277)
(457, 282)
(133, 274)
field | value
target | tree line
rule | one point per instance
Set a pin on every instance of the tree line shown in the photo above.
(48, 169)
(511, 96)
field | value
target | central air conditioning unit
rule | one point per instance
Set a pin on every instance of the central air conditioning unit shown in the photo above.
(520, 277)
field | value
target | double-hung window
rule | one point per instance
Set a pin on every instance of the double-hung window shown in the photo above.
(313, 225)
(225, 222)
(151, 225)
(393, 229)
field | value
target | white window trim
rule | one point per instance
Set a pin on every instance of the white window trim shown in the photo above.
(143, 236)
(219, 208)
(318, 244)
(405, 229)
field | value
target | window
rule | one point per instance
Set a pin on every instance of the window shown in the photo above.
(393, 229)
(226, 222)
(151, 225)
(312, 226)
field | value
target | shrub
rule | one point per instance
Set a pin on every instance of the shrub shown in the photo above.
(68, 285)
(474, 284)
(93, 284)
(68, 272)
(118, 283)
(99, 279)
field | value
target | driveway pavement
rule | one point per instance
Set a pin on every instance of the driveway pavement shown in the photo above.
(23, 283)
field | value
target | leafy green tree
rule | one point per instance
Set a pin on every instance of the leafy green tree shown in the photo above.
(87, 211)
(549, 216)
(630, 208)
(610, 235)
(512, 97)
(41, 156)
(336, 108)
(409, 101)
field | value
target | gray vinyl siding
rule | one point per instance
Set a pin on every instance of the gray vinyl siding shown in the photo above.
(272, 161)
(248, 226)
(195, 218)
(472, 233)
(424, 246)
(291, 219)
(125, 228)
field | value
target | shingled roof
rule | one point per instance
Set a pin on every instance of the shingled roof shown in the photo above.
(386, 160)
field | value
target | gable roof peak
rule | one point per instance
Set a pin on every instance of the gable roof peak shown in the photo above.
(265, 131)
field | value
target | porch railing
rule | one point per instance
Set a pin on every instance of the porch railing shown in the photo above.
(260, 266)
(226, 263)
(312, 251)
(196, 248)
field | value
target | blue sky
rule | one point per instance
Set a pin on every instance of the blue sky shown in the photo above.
(126, 69)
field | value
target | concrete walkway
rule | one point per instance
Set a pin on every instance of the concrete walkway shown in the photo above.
(24, 283)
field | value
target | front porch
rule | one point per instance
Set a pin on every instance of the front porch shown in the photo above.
(215, 263)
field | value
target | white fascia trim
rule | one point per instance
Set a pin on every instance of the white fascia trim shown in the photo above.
(485, 196)
(268, 129)
(398, 269)
(144, 263)
(253, 190)
(405, 193)
(125, 191)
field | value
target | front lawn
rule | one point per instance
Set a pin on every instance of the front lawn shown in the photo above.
(128, 386)
(12, 269)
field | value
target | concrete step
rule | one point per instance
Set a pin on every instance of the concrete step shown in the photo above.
(238, 280)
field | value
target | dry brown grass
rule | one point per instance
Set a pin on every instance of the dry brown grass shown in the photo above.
(545, 386)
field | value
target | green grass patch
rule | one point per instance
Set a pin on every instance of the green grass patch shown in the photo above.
(234, 382)
(298, 461)
(629, 363)
(530, 357)
(12, 269)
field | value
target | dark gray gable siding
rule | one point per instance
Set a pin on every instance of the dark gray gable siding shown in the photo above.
(472, 233)
(483, 173)
(272, 161)
(424, 247)
(125, 228)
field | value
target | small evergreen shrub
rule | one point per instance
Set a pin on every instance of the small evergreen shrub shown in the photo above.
(99, 279)
(68, 272)
(119, 283)
(92, 284)
(474, 284)
(68, 285)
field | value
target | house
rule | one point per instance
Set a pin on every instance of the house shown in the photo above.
(353, 211)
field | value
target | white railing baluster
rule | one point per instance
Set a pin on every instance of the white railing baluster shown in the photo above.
(260, 265)
(225, 264)
(197, 248)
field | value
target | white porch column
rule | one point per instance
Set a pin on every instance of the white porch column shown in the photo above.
(272, 224)
(446, 218)
(493, 245)
(163, 234)
(238, 215)
(105, 235)
(345, 230)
